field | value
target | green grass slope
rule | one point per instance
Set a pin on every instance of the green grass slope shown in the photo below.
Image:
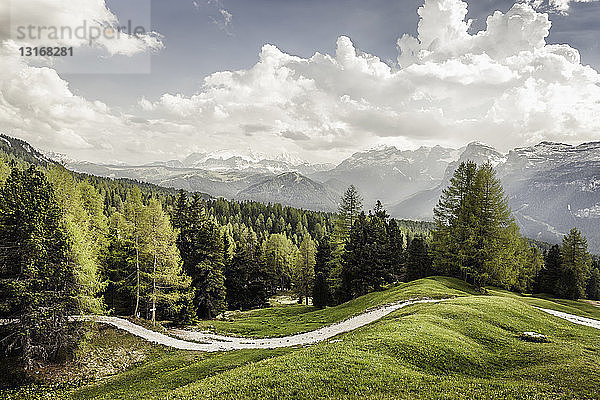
(288, 320)
(464, 348)
(461, 349)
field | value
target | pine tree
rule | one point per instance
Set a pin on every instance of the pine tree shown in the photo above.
(361, 271)
(592, 291)
(349, 208)
(181, 211)
(201, 245)
(246, 280)
(575, 266)
(118, 266)
(210, 296)
(395, 251)
(380, 212)
(418, 263)
(453, 237)
(38, 287)
(322, 294)
(547, 280)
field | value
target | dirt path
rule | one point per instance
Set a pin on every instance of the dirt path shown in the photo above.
(594, 323)
(593, 302)
(210, 342)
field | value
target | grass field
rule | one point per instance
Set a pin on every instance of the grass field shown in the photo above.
(291, 319)
(464, 348)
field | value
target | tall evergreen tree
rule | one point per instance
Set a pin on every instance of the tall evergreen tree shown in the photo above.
(38, 287)
(210, 290)
(549, 275)
(180, 214)
(365, 264)
(575, 266)
(322, 292)
(454, 216)
(475, 237)
(349, 208)
(246, 280)
(418, 262)
(201, 245)
(592, 291)
(118, 266)
(395, 251)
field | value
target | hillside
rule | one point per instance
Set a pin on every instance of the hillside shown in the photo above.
(292, 189)
(19, 151)
(464, 348)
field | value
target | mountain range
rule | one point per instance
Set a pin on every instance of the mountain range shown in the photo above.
(551, 187)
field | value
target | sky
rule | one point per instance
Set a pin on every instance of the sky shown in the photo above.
(317, 80)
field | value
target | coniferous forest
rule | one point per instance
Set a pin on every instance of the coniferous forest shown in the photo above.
(75, 244)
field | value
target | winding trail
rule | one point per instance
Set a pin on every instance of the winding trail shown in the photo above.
(202, 341)
(209, 342)
(594, 323)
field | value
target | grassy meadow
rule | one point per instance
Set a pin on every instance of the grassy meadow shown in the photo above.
(465, 348)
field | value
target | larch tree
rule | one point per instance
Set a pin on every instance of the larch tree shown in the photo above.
(304, 272)
(166, 275)
(134, 209)
(475, 237)
(349, 208)
(278, 254)
(83, 216)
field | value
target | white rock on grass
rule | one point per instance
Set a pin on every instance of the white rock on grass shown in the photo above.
(534, 337)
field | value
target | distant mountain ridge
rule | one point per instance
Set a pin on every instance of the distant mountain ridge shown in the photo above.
(293, 189)
(551, 187)
(23, 150)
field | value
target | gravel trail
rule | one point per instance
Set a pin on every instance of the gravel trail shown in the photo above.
(202, 341)
(594, 323)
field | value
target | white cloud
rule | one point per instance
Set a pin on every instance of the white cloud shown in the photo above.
(224, 20)
(81, 23)
(36, 104)
(556, 6)
(503, 85)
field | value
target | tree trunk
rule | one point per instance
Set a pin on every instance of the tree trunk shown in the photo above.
(137, 268)
(27, 357)
(154, 292)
